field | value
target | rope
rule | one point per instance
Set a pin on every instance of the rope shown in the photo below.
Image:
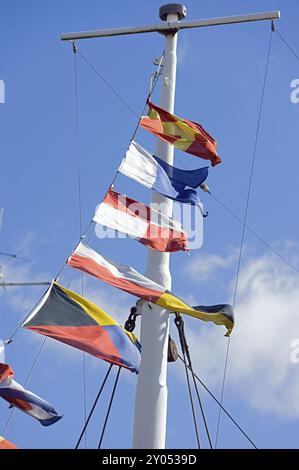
(179, 322)
(200, 405)
(109, 408)
(244, 225)
(191, 401)
(222, 407)
(93, 406)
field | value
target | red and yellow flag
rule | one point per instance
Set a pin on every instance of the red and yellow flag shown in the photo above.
(185, 135)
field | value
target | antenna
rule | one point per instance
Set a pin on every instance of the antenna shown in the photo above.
(16, 256)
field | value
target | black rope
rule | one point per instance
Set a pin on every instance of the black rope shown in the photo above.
(177, 322)
(244, 225)
(200, 405)
(93, 406)
(185, 348)
(222, 407)
(109, 408)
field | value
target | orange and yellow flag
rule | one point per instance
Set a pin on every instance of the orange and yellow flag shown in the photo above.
(185, 135)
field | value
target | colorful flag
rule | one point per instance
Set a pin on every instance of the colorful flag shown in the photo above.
(24, 400)
(156, 174)
(129, 280)
(5, 444)
(185, 135)
(67, 317)
(149, 226)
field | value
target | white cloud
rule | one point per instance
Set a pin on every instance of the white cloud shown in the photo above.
(204, 265)
(267, 318)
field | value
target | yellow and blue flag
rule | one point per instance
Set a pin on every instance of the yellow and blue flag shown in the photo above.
(70, 318)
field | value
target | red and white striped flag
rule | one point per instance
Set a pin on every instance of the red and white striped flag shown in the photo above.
(149, 226)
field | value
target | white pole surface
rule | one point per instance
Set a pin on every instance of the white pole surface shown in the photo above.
(151, 394)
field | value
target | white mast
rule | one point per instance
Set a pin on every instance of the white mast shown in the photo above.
(151, 394)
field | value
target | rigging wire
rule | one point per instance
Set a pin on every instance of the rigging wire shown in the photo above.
(13, 256)
(287, 44)
(222, 407)
(154, 82)
(80, 213)
(94, 406)
(283, 258)
(88, 62)
(179, 322)
(244, 225)
(109, 408)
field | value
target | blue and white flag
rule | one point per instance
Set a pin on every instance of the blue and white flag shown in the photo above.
(24, 400)
(154, 173)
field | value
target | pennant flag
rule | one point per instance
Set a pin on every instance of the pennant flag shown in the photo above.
(129, 280)
(5, 444)
(24, 400)
(154, 173)
(67, 317)
(136, 220)
(185, 135)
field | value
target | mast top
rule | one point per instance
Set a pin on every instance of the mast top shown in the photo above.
(172, 8)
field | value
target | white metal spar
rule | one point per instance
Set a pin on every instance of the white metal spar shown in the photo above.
(164, 27)
(151, 395)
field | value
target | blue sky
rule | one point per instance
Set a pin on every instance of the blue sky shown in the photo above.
(219, 81)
